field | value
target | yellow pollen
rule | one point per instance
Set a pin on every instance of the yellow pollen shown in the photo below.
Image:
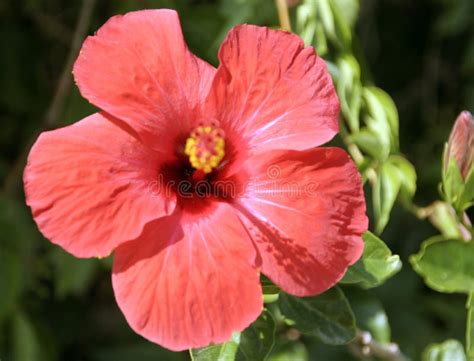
(205, 148)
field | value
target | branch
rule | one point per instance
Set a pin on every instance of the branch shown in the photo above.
(56, 106)
(364, 347)
(283, 14)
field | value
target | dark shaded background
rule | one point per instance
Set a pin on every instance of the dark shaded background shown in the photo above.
(53, 307)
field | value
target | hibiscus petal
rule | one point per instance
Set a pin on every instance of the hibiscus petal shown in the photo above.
(187, 286)
(278, 93)
(138, 68)
(306, 214)
(92, 186)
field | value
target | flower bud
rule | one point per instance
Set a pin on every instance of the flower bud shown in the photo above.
(461, 143)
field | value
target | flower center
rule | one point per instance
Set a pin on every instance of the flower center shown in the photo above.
(205, 147)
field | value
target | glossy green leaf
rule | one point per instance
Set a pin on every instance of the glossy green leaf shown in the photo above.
(376, 265)
(446, 265)
(385, 194)
(450, 350)
(328, 316)
(253, 344)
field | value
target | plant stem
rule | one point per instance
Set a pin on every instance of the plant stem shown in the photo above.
(283, 14)
(470, 327)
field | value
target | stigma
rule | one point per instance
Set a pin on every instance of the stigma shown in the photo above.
(205, 148)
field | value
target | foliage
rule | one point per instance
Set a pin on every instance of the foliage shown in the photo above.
(54, 307)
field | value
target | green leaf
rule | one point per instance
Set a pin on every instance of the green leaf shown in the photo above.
(390, 110)
(370, 314)
(289, 351)
(26, 345)
(378, 120)
(349, 90)
(450, 350)
(343, 30)
(446, 265)
(376, 265)
(453, 183)
(385, 193)
(222, 352)
(466, 199)
(253, 344)
(349, 10)
(256, 342)
(407, 176)
(368, 142)
(328, 316)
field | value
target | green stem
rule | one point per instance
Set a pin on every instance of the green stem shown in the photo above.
(470, 327)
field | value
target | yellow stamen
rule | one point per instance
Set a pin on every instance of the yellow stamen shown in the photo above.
(205, 148)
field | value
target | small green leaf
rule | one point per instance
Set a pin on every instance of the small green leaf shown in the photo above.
(390, 110)
(407, 175)
(328, 316)
(385, 194)
(446, 265)
(368, 141)
(222, 352)
(376, 265)
(256, 342)
(450, 350)
(378, 121)
(453, 184)
(466, 199)
(349, 90)
(253, 344)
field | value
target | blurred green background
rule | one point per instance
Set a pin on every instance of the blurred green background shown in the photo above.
(54, 307)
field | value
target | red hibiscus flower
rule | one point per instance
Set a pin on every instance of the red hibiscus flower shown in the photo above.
(200, 178)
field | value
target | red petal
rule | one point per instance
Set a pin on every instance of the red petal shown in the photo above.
(138, 68)
(185, 287)
(89, 186)
(278, 93)
(306, 214)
